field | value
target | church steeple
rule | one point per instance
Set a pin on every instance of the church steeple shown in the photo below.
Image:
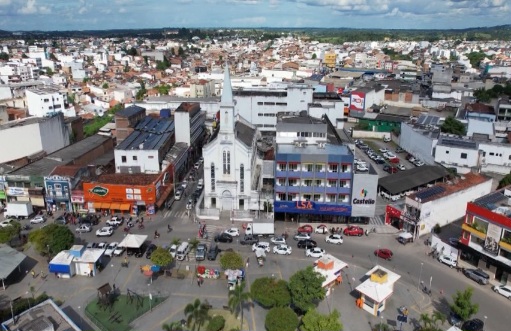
(227, 105)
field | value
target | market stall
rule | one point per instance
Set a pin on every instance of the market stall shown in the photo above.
(376, 289)
(330, 267)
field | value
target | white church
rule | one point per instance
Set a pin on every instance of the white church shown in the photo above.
(232, 169)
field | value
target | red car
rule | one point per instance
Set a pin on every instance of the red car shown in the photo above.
(353, 231)
(306, 229)
(384, 253)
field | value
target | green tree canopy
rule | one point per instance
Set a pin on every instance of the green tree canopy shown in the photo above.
(505, 181)
(462, 304)
(161, 257)
(9, 232)
(4, 56)
(172, 326)
(105, 85)
(217, 323)
(270, 292)
(306, 288)
(196, 312)
(452, 125)
(52, 238)
(163, 89)
(281, 319)
(314, 321)
(231, 260)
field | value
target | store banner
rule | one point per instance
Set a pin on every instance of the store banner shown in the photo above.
(491, 243)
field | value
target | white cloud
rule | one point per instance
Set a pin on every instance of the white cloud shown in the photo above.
(5, 2)
(250, 20)
(31, 7)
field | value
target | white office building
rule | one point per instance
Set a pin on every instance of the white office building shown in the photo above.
(45, 100)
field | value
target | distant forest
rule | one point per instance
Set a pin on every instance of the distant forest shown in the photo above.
(335, 36)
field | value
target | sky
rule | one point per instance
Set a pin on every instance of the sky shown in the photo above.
(49, 15)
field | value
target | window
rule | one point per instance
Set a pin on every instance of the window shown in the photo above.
(446, 152)
(341, 198)
(333, 167)
(343, 183)
(319, 167)
(151, 156)
(58, 187)
(307, 197)
(281, 181)
(242, 178)
(292, 182)
(281, 167)
(492, 154)
(135, 158)
(310, 167)
(344, 168)
(212, 177)
(49, 188)
(227, 163)
(332, 183)
(317, 197)
(308, 182)
(281, 197)
(330, 197)
(292, 167)
(318, 182)
(291, 197)
(463, 155)
(123, 159)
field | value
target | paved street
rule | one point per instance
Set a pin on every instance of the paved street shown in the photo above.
(356, 251)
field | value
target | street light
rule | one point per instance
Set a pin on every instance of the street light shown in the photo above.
(420, 275)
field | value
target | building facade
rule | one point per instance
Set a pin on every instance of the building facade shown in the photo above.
(190, 128)
(126, 120)
(59, 186)
(45, 100)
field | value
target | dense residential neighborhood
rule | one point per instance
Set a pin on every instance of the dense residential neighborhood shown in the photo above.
(200, 160)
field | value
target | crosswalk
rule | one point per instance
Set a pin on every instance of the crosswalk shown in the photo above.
(178, 214)
(377, 220)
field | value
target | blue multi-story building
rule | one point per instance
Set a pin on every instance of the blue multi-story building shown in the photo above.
(59, 184)
(315, 177)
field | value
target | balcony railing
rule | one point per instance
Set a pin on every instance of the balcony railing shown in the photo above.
(473, 231)
(505, 245)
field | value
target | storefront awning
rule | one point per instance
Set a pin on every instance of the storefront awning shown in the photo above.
(115, 206)
(124, 206)
(97, 205)
(105, 205)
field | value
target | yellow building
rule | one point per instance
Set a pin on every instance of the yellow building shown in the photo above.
(330, 59)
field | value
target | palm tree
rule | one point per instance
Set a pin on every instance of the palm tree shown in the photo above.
(194, 242)
(176, 241)
(426, 321)
(237, 299)
(198, 312)
(438, 317)
(172, 326)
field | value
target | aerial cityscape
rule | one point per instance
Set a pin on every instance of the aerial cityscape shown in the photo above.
(255, 165)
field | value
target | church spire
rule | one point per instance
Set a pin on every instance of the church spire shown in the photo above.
(226, 99)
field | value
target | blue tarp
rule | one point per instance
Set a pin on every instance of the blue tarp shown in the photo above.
(59, 268)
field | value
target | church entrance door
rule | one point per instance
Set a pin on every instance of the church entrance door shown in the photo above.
(227, 200)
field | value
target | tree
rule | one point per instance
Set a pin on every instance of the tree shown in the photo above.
(462, 304)
(4, 56)
(430, 322)
(49, 72)
(176, 241)
(161, 257)
(314, 56)
(314, 321)
(452, 125)
(306, 289)
(194, 242)
(105, 85)
(217, 323)
(505, 181)
(231, 260)
(270, 292)
(237, 299)
(196, 312)
(9, 232)
(281, 319)
(172, 326)
(52, 238)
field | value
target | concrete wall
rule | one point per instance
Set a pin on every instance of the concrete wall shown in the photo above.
(451, 156)
(146, 160)
(182, 125)
(360, 134)
(417, 144)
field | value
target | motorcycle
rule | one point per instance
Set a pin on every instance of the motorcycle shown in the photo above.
(130, 224)
(141, 226)
(156, 235)
(127, 229)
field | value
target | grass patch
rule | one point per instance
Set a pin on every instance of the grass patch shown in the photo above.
(231, 322)
(122, 313)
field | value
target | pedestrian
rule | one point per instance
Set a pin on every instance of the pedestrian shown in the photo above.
(56, 275)
(91, 274)
(246, 264)
(198, 281)
(33, 273)
(201, 281)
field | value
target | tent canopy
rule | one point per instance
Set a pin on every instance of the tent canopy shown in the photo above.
(10, 259)
(133, 241)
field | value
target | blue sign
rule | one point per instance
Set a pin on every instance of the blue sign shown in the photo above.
(311, 207)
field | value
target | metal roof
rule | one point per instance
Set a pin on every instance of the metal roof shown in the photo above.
(412, 178)
(10, 259)
(149, 134)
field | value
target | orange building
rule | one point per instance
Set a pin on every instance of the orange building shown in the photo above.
(127, 193)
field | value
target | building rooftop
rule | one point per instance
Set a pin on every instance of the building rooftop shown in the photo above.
(150, 134)
(412, 178)
(245, 132)
(45, 90)
(27, 121)
(130, 111)
(176, 151)
(375, 290)
(189, 107)
(497, 202)
(66, 170)
(167, 98)
(445, 140)
(43, 317)
(128, 179)
(313, 149)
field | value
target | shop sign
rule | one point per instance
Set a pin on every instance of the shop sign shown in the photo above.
(77, 199)
(99, 190)
(16, 191)
(363, 200)
(305, 207)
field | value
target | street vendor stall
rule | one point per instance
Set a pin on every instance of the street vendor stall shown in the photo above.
(234, 277)
(376, 289)
(330, 267)
(206, 273)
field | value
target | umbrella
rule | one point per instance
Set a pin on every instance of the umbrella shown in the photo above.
(146, 268)
(148, 273)
(155, 268)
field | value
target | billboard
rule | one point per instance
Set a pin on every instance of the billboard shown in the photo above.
(364, 191)
(357, 101)
(491, 243)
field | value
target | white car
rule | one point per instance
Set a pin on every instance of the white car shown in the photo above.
(178, 195)
(173, 250)
(184, 184)
(278, 240)
(6, 223)
(315, 252)
(302, 236)
(105, 231)
(234, 232)
(389, 156)
(196, 165)
(102, 245)
(419, 163)
(384, 150)
(322, 229)
(114, 221)
(282, 250)
(362, 168)
(265, 246)
(401, 167)
(118, 251)
(83, 228)
(109, 251)
(504, 290)
(386, 140)
(449, 260)
(334, 239)
(37, 220)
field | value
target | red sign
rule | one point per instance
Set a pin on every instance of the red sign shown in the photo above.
(304, 205)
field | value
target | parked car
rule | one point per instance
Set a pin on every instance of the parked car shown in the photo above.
(362, 168)
(389, 169)
(114, 221)
(102, 245)
(306, 229)
(477, 275)
(234, 232)
(118, 251)
(307, 243)
(315, 252)
(448, 260)
(453, 241)
(105, 231)
(322, 229)
(384, 253)
(473, 325)
(454, 319)
(184, 184)
(301, 236)
(178, 195)
(223, 237)
(6, 223)
(213, 252)
(92, 245)
(83, 228)
(61, 220)
(384, 150)
(38, 219)
(386, 139)
(400, 150)
(353, 231)
(249, 240)
(401, 167)
(109, 251)
(282, 249)
(264, 245)
(173, 250)
(137, 252)
(334, 239)
(278, 240)
(189, 204)
(196, 165)
(150, 251)
(200, 252)
(504, 290)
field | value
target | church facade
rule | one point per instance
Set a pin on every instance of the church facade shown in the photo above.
(231, 165)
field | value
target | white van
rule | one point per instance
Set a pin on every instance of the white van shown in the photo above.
(182, 251)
